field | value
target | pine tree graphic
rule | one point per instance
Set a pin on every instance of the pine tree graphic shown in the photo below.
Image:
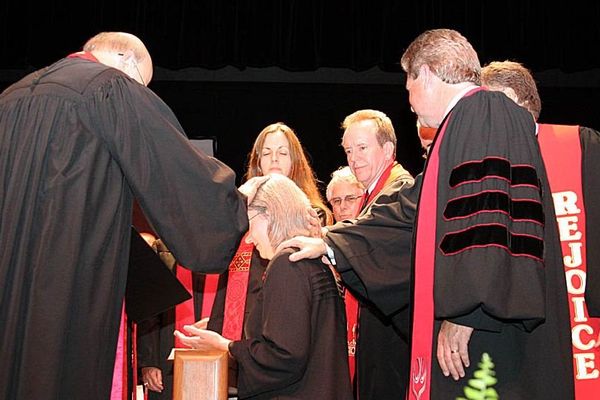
(480, 387)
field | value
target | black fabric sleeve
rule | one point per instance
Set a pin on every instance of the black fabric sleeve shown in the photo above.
(373, 253)
(148, 343)
(495, 229)
(168, 176)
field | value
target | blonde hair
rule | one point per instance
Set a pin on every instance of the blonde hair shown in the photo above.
(287, 209)
(385, 129)
(301, 172)
(447, 53)
(501, 75)
(342, 174)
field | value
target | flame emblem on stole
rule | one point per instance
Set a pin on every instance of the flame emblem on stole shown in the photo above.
(418, 377)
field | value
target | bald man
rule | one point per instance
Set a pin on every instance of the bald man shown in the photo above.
(79, 140)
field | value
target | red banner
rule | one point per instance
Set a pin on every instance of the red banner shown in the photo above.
(561, 151)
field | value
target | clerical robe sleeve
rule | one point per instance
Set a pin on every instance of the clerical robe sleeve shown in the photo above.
(277, 358)
(189, 198)
(590, 145)
(495, 230)
(373, 252)
(148, 343)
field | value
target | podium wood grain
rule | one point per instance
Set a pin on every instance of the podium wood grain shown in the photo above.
(200, 375)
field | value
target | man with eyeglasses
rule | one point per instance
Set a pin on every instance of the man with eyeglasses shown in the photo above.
(344, 194)
(79, 141)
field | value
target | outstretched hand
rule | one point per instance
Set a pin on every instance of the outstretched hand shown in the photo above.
(202, 339)
(309, 247)
(202, 324)
(453, 349)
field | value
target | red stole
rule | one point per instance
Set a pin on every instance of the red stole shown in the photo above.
(120, 369)
(352, 311)
(422, 330)
(381, 183)
(561, 151)
(184, 312)
(237, 288)
(423, 278)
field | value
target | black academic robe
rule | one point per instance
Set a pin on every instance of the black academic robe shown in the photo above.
(78, 141)
(590, 160)
(486, 215)
(154, 343)
(382, 351)
(372, 253)
(296, 336)
(155, 340)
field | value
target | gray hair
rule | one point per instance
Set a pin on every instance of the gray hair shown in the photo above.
(287, 209)
(342, 174)
(447, 53)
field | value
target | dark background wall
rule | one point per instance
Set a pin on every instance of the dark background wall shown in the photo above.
(229, 68)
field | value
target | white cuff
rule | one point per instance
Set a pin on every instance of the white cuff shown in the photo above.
(330, 254)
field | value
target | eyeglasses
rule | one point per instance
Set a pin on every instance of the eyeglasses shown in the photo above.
(252, 217)
(259, 211)
(135, 65)
(350, 199)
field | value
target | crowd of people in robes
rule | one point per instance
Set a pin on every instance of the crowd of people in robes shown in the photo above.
(454, 283)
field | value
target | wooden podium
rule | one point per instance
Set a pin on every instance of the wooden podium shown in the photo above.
(200, 375)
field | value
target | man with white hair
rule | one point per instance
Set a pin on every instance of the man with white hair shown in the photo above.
(79, 140)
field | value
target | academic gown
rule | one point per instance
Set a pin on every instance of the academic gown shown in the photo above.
(486, 233)
(155, 340)
(382, 284)
(78, 141)
(296, 336)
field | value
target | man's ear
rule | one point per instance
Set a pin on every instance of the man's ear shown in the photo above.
(511, 94)
(389, 150)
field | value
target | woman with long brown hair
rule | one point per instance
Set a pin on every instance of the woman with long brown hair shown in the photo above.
(277, 149)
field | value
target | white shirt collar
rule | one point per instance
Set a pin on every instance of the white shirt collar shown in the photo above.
(457, 97)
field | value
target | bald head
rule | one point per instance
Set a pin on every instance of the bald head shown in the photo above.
(123, 51)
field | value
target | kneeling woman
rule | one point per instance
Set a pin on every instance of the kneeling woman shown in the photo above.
(296, 346)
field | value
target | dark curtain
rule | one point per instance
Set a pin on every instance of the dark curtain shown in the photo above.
(302, 35)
